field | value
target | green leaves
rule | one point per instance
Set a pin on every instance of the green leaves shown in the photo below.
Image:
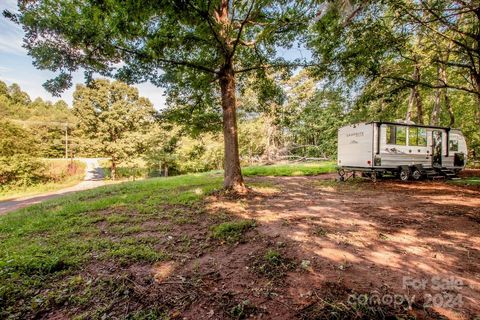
(113, 117)
(179, 45)
(57, 85)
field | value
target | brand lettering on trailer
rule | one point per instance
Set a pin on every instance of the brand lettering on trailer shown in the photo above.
(355, 134)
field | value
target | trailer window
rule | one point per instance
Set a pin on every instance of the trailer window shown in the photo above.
(390, 134)
(453, 145)
(417, 137)
(401, 135)
(397, 135)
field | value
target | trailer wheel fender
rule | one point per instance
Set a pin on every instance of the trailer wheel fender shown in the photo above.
(404, 173)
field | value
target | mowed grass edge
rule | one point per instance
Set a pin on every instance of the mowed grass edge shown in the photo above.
(291, 169)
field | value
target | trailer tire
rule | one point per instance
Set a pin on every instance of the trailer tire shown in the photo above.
(404, 174)
(373, 176)
(416, 174)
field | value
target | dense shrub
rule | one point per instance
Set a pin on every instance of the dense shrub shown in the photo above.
(21, 170)
(15, 140)
(18, 162)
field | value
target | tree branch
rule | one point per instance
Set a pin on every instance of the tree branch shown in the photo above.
(428, 85)
(170, 61)
(273, 66)
(240, 30)
(206, 16)
(443, 35)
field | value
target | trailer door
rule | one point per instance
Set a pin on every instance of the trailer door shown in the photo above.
(437, 148)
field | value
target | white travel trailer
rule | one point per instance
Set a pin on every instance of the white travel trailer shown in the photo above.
(407, 150)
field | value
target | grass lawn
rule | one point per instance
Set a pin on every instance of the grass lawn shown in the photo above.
(297, 169)
(44, 249)
(56, 169)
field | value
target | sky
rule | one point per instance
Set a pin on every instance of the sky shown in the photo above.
(16, 66)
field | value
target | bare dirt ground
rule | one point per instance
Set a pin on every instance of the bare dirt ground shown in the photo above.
(347, 239)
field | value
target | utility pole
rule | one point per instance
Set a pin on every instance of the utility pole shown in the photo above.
(66, 141)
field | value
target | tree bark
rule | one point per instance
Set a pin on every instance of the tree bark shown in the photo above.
(435, 118)
(448, 105)
(415, 100)
(233, 179)
(446, 99)
(113, 169)
(271, 148)
(477, 111)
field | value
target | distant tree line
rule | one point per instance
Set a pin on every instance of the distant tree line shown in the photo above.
(110, 119)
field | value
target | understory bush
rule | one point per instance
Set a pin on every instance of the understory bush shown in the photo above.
(21, 170)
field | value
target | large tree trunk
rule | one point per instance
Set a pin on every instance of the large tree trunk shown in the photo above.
(113, 169)
(477, 110)
(271, 148)
(448, 105)
(435, 118)
(415, 100)
(233, 179)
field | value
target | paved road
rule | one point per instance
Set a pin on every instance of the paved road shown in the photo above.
(93, 178)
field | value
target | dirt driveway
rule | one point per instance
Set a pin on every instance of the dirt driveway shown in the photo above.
(93, 178)
(414, 241)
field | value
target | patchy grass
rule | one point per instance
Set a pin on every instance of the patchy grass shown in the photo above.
(243, 310)
(469, 181)
(297, 169)
(343, 310)
(232, 231)
(273, 265)
(59, 174)
(320, 232)
(44, 245)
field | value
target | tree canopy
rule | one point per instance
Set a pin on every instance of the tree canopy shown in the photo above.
(114, 119)
(181, 45)
(399, 59)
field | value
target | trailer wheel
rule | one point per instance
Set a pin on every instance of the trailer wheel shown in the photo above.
(404, 174)
(373, 176)
(416, 174)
